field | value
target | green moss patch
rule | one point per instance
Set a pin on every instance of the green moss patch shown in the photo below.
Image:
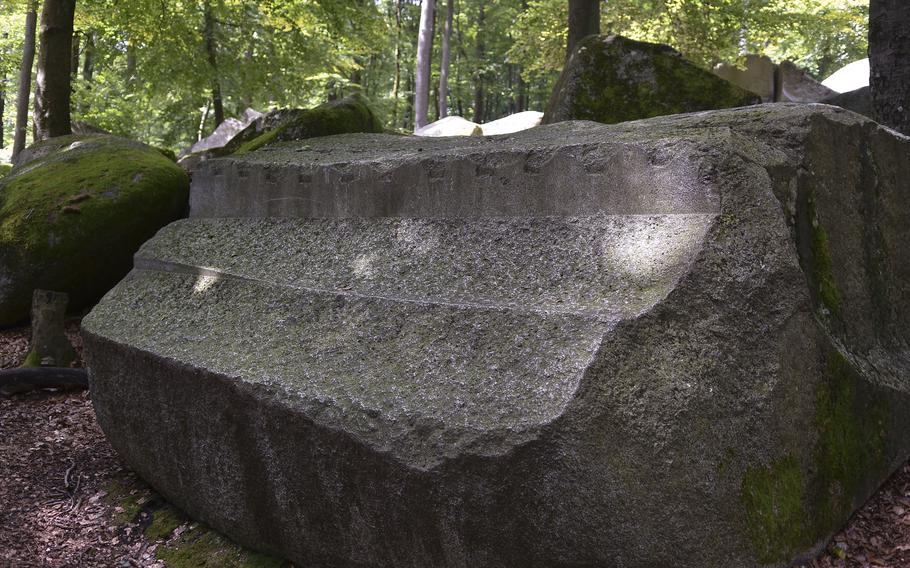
(349, 115)
(822, 265)
(200, 547)
(789, 508)
(5, 170)
(775, 501)
(71, 218)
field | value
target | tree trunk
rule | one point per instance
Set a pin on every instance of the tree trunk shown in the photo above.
(74, 64)
(25, 79)
(479, 74)
(211, 49)
(50, 347)
(52, 94)
(424, 53)
(584, 20)
(444, 63)
(889, 60)
(88, 61)
(396, 86)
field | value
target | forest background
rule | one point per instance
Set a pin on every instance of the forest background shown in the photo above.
(145, 69)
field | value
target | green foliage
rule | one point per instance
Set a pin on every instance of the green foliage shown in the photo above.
(144, 72)
(201, 547)
(820, 35)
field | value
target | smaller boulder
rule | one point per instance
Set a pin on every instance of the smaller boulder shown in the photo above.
(74, 214)
(348, 115)
(795, 85)
(859, 101)
(755, 74)
(512, 123)
(613, 79)
(450, 126)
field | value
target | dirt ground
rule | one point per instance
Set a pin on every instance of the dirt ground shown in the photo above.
(66, 501)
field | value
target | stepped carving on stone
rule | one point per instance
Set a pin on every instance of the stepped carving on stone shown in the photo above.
(673, 342)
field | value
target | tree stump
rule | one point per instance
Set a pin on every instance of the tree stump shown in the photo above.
(50, 347)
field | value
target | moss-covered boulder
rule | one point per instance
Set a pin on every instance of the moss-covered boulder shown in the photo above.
(350, 115)
(613, 79)
(72, 217)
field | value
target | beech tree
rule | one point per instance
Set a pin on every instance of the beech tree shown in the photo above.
(25, 78)
(584, 20)
(52, 92)
(424, 54)
(889, 61)
(445, 58)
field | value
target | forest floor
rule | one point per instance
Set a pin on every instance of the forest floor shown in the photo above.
(66, 500)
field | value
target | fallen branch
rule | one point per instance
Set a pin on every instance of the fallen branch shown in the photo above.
(25, 379)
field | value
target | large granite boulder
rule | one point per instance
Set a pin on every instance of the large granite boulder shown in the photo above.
(73, 215)
(614, 79)
(673, 342)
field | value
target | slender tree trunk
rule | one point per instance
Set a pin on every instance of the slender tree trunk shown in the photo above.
(25, 79)
(889, 60)
(424, 53)
(74, 65)
(211, 49)
(584, 20)
(409, 101)
(200, 132)
(479, 74)
(88, 61)
(396, 86)
(52, 94)
(445, 57)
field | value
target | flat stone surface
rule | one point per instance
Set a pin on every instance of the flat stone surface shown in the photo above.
(673, 342)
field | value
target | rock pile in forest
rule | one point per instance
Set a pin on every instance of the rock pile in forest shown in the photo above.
(73, 213)
(672, 342)
(614, 79)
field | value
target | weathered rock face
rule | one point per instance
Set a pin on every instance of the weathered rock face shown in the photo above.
(797, 86)
(74, 214)
(674, 342)
(786, 82)
(225, 132)
(613, 79)
(756, 75)
(859, 101)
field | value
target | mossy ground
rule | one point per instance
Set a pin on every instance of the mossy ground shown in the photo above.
(73, 218)
(790, 507)
(4, 170)
(180, 542)
(349, 115)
